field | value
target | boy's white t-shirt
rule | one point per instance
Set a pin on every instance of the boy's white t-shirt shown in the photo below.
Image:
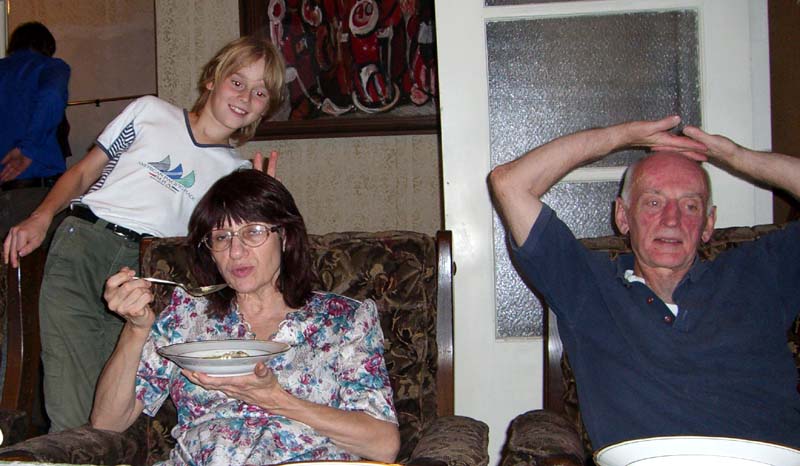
(156, 172)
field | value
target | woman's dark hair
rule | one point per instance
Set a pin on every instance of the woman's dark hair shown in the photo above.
(33, 35)
(252, 196)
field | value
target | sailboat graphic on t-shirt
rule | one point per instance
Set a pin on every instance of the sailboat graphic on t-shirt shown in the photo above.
(175, 174)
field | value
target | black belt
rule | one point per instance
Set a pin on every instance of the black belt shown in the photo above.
(83, 212)
(40, 182)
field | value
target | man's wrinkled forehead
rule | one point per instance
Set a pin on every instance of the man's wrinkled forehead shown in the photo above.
(667, 169)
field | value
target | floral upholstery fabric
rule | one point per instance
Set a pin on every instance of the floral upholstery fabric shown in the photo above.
(721, 240)
(59, 447)
(542, 438)
(396, 269)
(451, 441)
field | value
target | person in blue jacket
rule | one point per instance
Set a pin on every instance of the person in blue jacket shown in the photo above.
(33, 96)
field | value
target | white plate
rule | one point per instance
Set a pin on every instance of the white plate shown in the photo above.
(696, 451)
(199, 356)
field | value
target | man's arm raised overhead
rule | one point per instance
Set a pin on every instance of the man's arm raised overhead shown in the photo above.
(518, 186)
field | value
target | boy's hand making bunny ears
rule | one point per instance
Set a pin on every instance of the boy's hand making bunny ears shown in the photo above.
(272, 163)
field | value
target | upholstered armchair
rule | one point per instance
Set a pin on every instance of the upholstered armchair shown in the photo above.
(19, 346)
(408, 275)
(555, 435)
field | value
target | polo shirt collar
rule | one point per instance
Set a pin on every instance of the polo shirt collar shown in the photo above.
(626, 261)
(698, 269)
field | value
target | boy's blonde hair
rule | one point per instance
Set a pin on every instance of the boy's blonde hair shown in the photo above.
(233, 57)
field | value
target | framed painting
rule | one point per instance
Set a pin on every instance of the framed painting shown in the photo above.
(353, 67)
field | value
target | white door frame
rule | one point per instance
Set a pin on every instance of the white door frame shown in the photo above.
(3, 27)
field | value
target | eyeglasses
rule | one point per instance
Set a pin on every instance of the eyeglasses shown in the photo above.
(252, 235)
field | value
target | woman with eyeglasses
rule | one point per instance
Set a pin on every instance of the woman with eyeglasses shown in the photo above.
(327, 397)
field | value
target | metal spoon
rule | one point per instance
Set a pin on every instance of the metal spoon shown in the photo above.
(192, 290)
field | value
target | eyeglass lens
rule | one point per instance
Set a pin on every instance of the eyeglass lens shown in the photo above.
(253, 235)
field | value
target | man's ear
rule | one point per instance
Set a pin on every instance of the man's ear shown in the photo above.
(708, 228)
(621, 216)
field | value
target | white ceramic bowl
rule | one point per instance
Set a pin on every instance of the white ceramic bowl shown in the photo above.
(203, 356)
(696, 451)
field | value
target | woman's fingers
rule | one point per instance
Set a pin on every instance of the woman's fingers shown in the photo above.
(248, 388)
(129, 298)
(261, 370)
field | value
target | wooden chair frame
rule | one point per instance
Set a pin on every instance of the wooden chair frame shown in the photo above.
(22, 341)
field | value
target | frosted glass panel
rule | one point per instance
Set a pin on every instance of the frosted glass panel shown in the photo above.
(553, 76)
(585, 207)
(519, 312)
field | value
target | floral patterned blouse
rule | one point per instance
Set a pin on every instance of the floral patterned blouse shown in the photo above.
(335, 358)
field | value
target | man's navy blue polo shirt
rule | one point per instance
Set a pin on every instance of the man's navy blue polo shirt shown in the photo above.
(722, 367)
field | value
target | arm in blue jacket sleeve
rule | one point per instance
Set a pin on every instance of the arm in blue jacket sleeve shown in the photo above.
(51, 100)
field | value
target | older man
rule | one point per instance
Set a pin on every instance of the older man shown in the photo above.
(661, 343)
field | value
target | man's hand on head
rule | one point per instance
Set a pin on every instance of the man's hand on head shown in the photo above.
(778, 170)
(656, 136)
(719, 147)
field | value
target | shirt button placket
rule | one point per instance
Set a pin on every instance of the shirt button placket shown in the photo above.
(668, 319)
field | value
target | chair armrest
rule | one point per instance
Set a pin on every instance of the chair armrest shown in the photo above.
(81, 445)
(453, 441)
(542, 437)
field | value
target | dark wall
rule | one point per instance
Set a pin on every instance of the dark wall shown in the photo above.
(784, 37)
